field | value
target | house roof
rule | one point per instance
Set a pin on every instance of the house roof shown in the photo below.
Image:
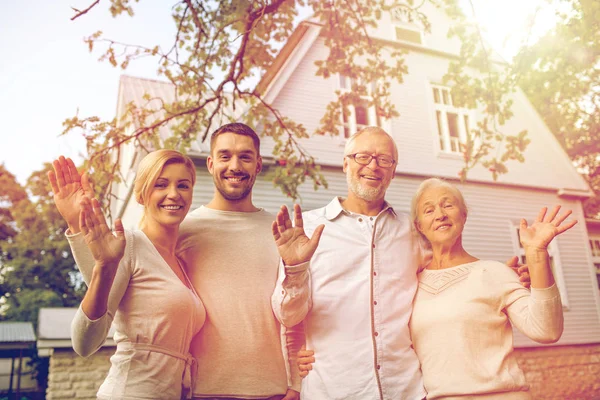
(54, 329)
(135, 89)
(11, 332)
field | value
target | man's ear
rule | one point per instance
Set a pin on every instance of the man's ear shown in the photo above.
(209, 164)
(259, 163)
(345, 164)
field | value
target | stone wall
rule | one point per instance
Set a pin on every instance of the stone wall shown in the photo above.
(74, 377)
(562, 372)
(554, 373)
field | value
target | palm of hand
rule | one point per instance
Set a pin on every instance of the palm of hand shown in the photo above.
(538, 235)
(293, 245)
(68, 200)
(105, 247)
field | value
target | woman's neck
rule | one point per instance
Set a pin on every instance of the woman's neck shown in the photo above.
(164, 238)
(448, 256)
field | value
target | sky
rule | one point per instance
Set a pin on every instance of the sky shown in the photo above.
(47, 73)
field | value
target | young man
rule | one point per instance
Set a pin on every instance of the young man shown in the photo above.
(232, 263)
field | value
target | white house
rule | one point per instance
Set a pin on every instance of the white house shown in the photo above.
(427, 133)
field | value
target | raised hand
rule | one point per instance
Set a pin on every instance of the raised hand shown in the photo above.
(69, 189)
(538, 235)
(293, 244)
(107, 249)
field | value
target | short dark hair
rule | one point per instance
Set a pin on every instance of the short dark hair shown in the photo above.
(239, 129)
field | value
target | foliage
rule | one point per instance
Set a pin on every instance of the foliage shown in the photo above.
(560, 74)
(36, 266)
(221, 47)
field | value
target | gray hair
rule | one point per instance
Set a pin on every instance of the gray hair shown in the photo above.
(433, 183)
(369, 129)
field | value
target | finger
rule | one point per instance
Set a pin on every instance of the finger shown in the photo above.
(82, 222)
(305, 353)
(522, 269)
(562, 217)
(99, 219)
(275, 231)
(73, 173)
(306, 360)
(303, 374)
(553, 213)
(65, 169)
(523, 225)
(53, 184)
(282, 219)
(59, 173)
(566, 227)
(316, 236)
(298, 216)
(513, 262)
(119, 230)
(86, 184)
(541, 214)
(524, 277)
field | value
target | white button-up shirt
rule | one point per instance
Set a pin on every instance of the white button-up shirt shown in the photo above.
(355, 298)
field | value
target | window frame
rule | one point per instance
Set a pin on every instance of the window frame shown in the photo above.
(351, 127)
(594, 242)
(446, 143)
(554, 256)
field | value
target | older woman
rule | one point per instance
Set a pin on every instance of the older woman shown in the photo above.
(464, 307)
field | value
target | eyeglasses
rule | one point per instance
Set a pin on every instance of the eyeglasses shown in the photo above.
(382, 161)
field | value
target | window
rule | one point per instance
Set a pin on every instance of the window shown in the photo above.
(405, 27)
(361, 115)
(453, 124)
(554, 262)
(595, 247)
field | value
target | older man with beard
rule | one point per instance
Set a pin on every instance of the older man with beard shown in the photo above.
(355, 294)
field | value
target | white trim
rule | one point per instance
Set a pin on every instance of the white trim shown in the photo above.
(291, 63)
(554, 256)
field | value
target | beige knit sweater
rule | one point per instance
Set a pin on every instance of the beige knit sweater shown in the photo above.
(461, 328)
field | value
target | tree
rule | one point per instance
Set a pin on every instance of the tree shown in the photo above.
(219, 47)
(560, 73)
(36, 266)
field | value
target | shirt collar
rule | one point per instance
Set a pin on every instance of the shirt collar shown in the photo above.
(334, 208)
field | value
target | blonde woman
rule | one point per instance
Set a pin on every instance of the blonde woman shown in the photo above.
(135, 281)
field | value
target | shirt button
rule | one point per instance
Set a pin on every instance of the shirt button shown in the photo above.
(373, 245)
(379, 367)
(360, 220)
(375, 302)
(283, 292)
(374, 273)
(371, 218)
(376, 333)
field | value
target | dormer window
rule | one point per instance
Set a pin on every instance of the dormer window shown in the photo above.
(406, 29)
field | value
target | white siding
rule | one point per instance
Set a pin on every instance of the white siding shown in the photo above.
(305, 97)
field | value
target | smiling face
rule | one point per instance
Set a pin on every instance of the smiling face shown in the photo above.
(440, 215)
(234, 163)
(170, 198)
(369, 182)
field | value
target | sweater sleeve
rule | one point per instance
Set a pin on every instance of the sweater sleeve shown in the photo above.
(291, 300)
(537, 314)
(82, 255)
(294, 339)
(88, 335)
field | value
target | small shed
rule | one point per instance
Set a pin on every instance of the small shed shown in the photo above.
(17, 343)
(69, 375)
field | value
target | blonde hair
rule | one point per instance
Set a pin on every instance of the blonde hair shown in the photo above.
(369, 129)
(149, 170)
(428, 184)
